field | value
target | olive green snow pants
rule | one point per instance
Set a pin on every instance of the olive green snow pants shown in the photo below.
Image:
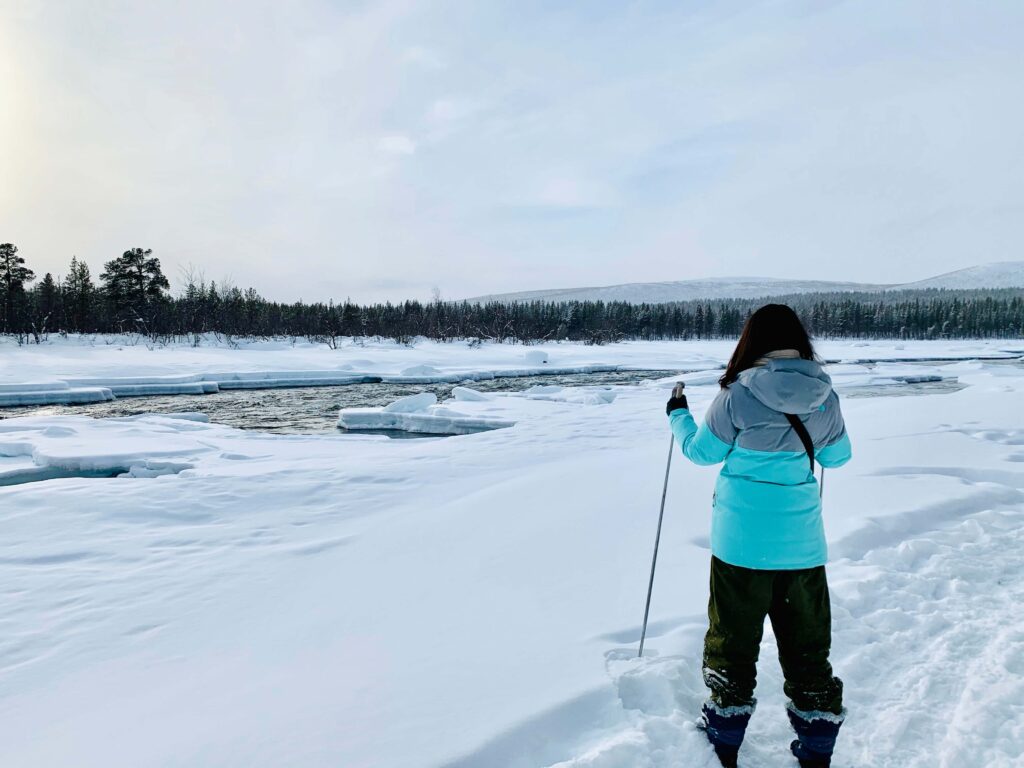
(797, 604)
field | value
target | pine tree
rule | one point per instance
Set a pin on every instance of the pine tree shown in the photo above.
(80, 298)
(13, 276)
(134, 285)
(47, 309)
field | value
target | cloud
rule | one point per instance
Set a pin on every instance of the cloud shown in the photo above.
(596, 143)
(396, 144)
(423, 57)
(574, 193)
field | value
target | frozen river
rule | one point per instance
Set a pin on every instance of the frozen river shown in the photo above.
(312, 410)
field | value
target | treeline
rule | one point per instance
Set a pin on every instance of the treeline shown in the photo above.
(132, 295)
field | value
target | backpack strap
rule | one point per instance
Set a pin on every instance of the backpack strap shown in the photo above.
(805, 438)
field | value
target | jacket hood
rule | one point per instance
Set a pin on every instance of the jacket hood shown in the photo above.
(788, 385)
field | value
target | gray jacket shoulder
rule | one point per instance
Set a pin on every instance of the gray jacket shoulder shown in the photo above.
(719, 417)
(761, 428)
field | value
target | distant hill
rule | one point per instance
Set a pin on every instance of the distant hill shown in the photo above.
(998, 274)
(1005, 274)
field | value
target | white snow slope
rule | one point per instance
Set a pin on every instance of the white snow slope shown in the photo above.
(998, 274)
(1003, 274)
(683, 290)
(241, 599)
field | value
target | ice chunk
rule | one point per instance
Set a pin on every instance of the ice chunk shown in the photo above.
(420, 370)
(143, 390)
(192, 416)
(34, 386)
(442, 421)
(412, 403)
(187, 416)
(696, 379)
(141, 386)
(283, 379)
(150, 468)
(65, 396)
(578, 395)
(543, 389)
(465, 394)
(589, 397)
(117, 381)
(419, 413)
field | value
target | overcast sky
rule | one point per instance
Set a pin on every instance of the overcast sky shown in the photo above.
(376, 150)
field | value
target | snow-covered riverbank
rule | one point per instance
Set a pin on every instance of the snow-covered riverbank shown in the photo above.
(96, 369)
(242, 599)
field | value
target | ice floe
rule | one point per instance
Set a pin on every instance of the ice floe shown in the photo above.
(578, 395)
(419, 414)
(57, 393)
(466, 394)
(149, 445)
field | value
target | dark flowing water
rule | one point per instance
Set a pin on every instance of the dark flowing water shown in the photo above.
(310, 410)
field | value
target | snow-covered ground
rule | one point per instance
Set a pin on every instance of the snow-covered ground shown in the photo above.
(234, 598)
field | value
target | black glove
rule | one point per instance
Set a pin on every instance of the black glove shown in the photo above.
(677, 401)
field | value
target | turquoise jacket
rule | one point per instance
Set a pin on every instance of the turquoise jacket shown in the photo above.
(766, 512)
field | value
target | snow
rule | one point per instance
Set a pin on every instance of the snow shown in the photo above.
(181, 593)
(997, 274)
(412, 403)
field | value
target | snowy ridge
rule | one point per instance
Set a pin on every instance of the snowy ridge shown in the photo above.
(683, 290)
(1000, 274)
(1006, 274)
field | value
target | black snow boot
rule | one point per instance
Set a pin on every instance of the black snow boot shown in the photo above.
(816, 736)
(795, 749)
(724, 728)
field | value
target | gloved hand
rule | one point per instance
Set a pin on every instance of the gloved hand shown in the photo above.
(678, 399)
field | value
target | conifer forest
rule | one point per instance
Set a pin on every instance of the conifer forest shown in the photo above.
(132, 295)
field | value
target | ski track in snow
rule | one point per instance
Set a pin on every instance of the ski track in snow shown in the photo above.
(928, 634)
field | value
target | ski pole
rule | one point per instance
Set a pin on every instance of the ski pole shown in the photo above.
(821, 485)
(657, 541)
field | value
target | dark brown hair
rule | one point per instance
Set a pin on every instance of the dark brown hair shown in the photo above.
(772, 327)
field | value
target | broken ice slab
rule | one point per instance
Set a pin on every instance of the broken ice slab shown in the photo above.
(420, 414)
(57, 395)
(360, 419)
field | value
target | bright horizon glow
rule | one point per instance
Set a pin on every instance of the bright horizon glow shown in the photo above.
(379, 149)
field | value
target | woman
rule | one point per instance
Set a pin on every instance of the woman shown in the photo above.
(767, 539)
